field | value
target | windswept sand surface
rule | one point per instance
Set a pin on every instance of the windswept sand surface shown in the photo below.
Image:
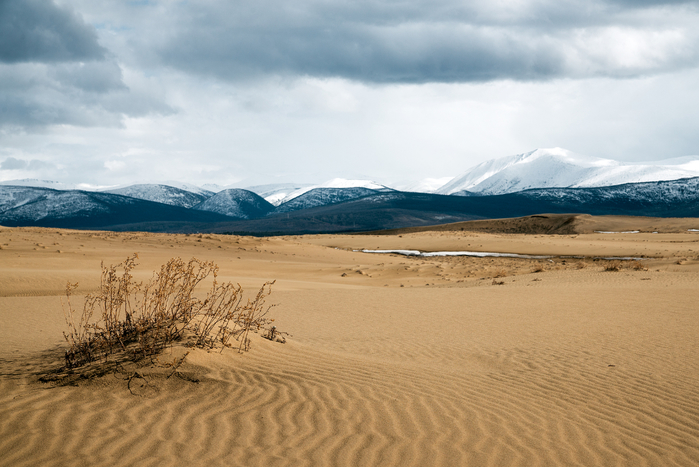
(392, 360)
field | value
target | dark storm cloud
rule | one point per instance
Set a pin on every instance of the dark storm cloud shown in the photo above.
(41, 31)
(419, 41)
(53, 71)
(418, 53)
(90, 94)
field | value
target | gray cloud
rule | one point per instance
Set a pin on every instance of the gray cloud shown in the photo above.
(41, 31)
(651, 3)
(93, 77)
(12, 163)
(91, 94)
(411, 53)
(54, 71)
(421, 41)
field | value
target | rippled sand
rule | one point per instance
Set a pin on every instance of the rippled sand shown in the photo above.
(392, 360)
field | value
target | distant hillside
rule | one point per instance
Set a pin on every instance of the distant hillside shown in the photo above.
(84, 209)
(560, 224)
(276, 192)
(337, 183)
(675, 198)
(161, 194)
(242, 204)
(323, 197)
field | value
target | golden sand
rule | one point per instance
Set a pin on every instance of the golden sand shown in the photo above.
(392, 360)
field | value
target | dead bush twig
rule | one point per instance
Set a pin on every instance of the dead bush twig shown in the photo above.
(140, 320)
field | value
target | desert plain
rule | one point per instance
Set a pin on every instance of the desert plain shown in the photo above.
(390, 360)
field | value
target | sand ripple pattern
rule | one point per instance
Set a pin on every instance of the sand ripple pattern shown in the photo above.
(302, 407)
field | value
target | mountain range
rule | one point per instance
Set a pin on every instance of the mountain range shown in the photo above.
(559, 168)
(544, 180)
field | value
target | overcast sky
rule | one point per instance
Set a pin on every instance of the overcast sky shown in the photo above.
(111, 92)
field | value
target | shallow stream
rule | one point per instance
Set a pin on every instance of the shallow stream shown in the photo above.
(488, 254)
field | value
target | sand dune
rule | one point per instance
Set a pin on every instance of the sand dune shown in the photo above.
(391, 360)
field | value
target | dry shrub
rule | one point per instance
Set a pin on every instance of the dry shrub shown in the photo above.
(639, 266)
(138, 320)
(613, 266)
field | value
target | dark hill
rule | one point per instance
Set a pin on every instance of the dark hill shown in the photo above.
(44, 207)
(162, 194)
(324, 197)
(235, 202)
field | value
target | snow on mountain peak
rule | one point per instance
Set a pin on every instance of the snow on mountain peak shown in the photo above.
(426, 185)
(166, 194)
(336, 183)
(344, 183)
(236, 202)
(36, 183)
(275, 193)
(558, 168)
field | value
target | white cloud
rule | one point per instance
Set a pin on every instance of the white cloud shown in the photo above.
(114, 165)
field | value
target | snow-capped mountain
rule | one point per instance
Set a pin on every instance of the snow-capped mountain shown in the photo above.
(36, 183)
(426, 185)
(556, 168)
(323, 197)
(31, 204)
(87, 209)
(235, 202)
(640, 194)
(337, 183)
(197, 190)
(276, 192)
(162, 194)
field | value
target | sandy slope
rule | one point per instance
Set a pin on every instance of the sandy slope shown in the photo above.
(393, 360)
(562, 224)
